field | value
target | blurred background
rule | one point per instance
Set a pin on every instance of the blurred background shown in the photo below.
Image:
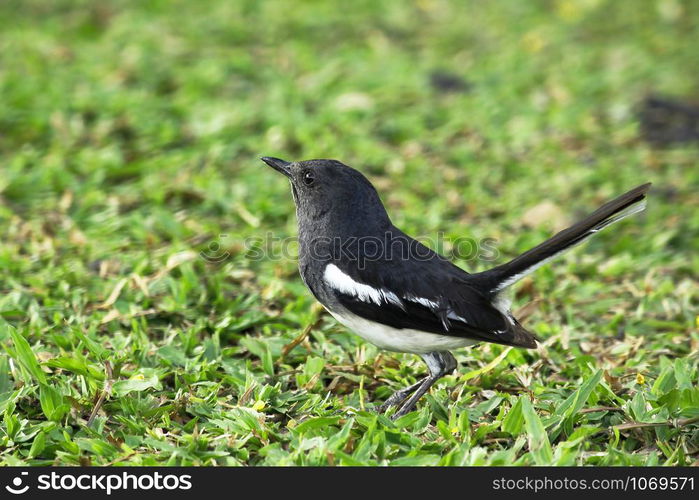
(157, 111)
(130, 184)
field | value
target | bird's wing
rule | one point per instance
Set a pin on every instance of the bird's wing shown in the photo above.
(432, 296)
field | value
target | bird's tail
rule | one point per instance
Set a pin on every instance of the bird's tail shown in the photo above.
(505, 275)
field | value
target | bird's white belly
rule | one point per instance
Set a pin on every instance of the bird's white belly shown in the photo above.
(400, 340)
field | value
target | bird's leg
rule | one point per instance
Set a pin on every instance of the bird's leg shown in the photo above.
(439, 363)
(399, 396)
(409, 405)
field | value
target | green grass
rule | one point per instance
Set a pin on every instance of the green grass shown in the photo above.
(129, 138)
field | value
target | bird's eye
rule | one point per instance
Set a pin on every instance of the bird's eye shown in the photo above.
(308, 178)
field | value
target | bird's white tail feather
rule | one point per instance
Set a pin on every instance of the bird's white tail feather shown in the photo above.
(624, 206)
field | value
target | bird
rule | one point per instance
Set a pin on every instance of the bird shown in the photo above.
(400, 295)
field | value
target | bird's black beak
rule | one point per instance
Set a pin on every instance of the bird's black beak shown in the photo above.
(278, 164)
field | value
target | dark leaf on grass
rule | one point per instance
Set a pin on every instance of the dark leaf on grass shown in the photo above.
(666, 121)
(444, 81)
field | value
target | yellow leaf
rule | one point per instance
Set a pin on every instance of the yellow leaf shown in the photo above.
(116, 291)
(533, 42)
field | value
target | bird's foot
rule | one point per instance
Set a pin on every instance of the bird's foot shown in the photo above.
(439, 364)
(404, 410)
(410, 404)
(398, 397)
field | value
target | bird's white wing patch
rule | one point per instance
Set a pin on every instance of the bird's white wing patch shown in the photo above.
(345, 284)
(434, 306)
(431, 304)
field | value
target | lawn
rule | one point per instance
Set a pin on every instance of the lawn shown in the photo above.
(151, 310)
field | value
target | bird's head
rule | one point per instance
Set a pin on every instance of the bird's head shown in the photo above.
(332, 191)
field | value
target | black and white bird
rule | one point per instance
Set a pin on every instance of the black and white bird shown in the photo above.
(395, 292)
